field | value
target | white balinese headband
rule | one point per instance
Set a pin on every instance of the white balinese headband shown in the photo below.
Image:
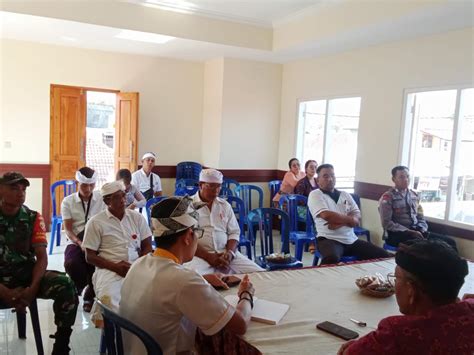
(85, 180)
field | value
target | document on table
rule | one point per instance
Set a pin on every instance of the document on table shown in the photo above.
(263, 311)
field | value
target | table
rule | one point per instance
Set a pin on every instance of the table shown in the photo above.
(321, 294)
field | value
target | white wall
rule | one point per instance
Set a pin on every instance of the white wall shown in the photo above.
(250, 114)
(171, 96)
(380, 75)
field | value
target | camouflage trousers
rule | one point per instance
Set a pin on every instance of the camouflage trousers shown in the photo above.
(57, 286)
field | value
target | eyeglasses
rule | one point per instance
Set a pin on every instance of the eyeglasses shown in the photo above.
(199, 232)
(212, 186)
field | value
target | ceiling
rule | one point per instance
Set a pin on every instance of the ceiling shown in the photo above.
(451, 16)
(257, 12)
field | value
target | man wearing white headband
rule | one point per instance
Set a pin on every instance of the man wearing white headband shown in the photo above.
(217, 250)
(168, 300)
(113, 240)
(76, 210)
(147, 182)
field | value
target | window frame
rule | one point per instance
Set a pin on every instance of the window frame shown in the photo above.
(406, 151)
(299, 125)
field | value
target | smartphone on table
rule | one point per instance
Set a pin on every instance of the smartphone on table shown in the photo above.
(337, 330)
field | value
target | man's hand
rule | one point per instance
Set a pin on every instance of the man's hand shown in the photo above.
(122, 268)
(415, 234)
(12, 298)
(334, 226)
(131, 206)
(246, 285)
(216, 280)
(28, 294)
(344, 346)
(217, 260)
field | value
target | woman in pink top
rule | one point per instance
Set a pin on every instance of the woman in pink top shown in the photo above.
(290, 180)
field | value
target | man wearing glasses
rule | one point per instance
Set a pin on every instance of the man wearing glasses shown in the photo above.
(217, 249)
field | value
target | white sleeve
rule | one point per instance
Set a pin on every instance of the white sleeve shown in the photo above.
(317, 203)
(212, 313)
(233, 229)
(143, 228)
(141, 200)
(157, 183)
(92, 235)
(135, 180)
(66, 209)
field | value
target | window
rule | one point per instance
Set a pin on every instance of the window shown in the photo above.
(327, 133)
(439, 132)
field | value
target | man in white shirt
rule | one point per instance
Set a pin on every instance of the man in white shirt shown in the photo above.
(147, 182)
(168, 300)
(217, 250)
(113, 240)
(76, 210)
(336, 214)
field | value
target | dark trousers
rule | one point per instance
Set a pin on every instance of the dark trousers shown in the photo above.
(332, 251)
(79, 270)
(395, 238)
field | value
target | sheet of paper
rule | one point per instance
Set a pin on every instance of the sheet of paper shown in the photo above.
(263, 311)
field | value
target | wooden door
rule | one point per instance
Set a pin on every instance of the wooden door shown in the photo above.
(68, 131)
(126, 131)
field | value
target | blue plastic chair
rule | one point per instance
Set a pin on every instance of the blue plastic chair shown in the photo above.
(35, 323)
(149, 204)
(260, 222)
(289, 204)
(247, 194)
(113, 324)
(225, 192)
(274, 186)
(359, 230)
(230, 184)
(239, 211)
(67, 187)
(188, 170)
(188, 190)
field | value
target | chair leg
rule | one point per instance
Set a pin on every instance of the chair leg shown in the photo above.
(53, 235)
(21, 324)
(36, 327)
(103, 344)
(299, 246)
(58, 236)
(368, 236)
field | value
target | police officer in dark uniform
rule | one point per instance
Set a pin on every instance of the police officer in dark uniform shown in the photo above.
(401, 213)
(23, 261)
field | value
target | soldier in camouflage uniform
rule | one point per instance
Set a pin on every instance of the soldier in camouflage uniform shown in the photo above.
(401, 213)
(23, 261)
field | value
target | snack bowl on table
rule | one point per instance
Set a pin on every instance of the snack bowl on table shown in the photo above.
(375, 286)
(278, 258)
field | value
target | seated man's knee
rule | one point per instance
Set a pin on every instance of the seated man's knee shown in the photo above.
(330, 259)
(62, 286)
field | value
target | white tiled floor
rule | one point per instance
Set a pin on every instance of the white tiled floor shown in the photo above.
(85, 337)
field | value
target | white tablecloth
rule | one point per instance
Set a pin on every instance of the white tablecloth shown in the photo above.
(321, 294)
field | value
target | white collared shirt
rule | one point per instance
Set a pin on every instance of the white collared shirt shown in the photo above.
(319, 202)
(169, 301)
(142, 181)
(220, 224)
(115, 239)
(72, 208)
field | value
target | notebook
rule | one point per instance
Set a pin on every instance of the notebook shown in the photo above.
(263, 311)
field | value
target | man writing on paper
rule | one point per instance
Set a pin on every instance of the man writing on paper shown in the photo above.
(169, 301)
(113, 240)
(217, 250)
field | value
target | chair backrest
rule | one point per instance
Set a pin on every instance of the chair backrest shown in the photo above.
(181, 183)
(66, 187)
(260, 225)
(274, 187)
(225, 191)
(230, 184)
(239, 210)
(188, 190)
(356, 199)
(247, 194)
(113, 324)
(289, 204)
(149, 204)
(188, 170)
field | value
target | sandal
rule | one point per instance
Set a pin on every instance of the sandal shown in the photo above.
(312, 248)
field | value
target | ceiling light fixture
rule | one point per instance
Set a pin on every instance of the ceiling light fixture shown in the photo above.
(143, 37)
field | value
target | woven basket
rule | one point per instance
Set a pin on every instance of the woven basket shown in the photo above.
(379, 294)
